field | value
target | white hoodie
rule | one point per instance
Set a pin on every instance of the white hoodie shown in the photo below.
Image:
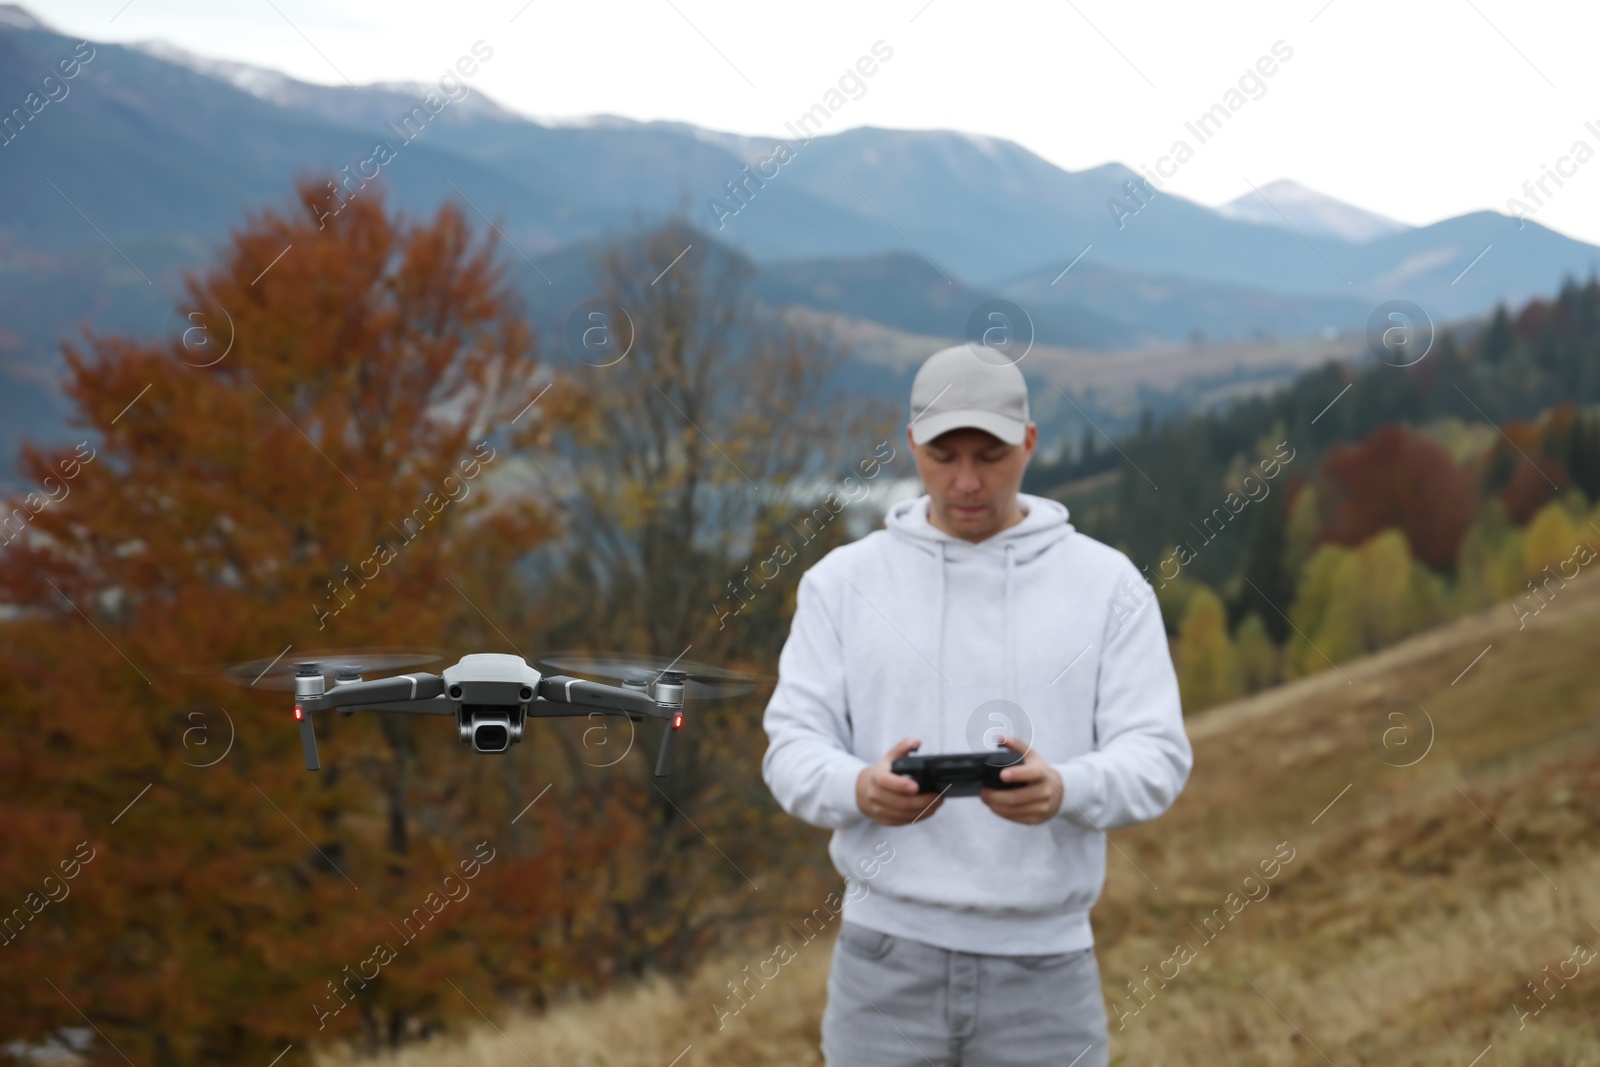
(910, 632)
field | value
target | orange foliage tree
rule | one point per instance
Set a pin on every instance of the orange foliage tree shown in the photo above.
(307, 461)
(1524, 465)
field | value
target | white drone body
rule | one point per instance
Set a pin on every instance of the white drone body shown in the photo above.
(491, 695)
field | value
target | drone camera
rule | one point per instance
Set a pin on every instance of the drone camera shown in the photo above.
(491, 733)
(492, 692)
(490, 728)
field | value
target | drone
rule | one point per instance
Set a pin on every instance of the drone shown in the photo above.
(492, 695)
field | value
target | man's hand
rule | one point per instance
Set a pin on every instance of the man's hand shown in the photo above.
(1034, 803)
(889, 798)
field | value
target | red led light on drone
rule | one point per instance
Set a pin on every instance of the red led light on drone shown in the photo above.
(297, 713)
(677, 720)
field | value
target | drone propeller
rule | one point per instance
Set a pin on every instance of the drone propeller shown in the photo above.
(335, 665)
(702, 680)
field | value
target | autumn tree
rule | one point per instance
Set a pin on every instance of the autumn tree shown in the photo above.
(1208, 666)
(1352, 601)
(1398, 478)
(1490, 565)
(708, 463)
(305, 461)
(1574, 438)
(1258, 655)
(1518, 470)
(1552, 539)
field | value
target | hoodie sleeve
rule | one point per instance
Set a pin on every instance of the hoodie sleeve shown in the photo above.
(1142, 754)
(809, 765)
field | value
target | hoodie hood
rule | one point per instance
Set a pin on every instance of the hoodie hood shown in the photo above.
(1043, 525)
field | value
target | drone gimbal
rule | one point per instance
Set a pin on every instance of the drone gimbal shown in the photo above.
(491, 695)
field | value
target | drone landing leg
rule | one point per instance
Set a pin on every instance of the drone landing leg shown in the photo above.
(669, 692)
(308, 739)
(669, 741)
(309, 686)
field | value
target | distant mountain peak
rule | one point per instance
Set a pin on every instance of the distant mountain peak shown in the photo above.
(1310, 212)
(336, 102)
(269, 85)
(20, 18)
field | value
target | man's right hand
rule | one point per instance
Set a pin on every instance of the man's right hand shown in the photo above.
(892, 799)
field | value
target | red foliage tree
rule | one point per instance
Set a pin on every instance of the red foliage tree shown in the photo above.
(1397, 478)
(1521, 463)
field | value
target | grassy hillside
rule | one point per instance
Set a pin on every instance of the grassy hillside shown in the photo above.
(1419, 900)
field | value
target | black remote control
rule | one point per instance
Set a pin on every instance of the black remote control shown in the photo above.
(959, 774)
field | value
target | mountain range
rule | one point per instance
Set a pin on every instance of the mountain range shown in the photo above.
(137, 173)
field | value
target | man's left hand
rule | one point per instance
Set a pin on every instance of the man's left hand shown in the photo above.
(1038, 800)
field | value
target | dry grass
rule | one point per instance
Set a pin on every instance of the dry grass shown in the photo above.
(649, 1025)
(1403, 932)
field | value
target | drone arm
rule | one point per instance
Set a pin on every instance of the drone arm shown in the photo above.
(558, 689)
(403, 688)
(434, 706)
(415, 692)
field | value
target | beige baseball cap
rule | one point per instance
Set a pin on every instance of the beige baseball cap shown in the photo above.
(955, 388)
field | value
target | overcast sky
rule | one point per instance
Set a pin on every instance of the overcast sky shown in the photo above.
(1418, 110)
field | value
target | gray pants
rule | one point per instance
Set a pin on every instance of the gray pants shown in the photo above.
(894, 1002)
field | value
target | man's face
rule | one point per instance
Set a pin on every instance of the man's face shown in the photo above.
(972, 478)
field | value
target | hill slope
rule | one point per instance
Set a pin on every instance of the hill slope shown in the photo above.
(1417, 902)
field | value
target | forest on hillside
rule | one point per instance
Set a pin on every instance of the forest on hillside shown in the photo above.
(1294, 531)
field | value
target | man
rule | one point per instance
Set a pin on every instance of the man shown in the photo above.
(978, 617)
